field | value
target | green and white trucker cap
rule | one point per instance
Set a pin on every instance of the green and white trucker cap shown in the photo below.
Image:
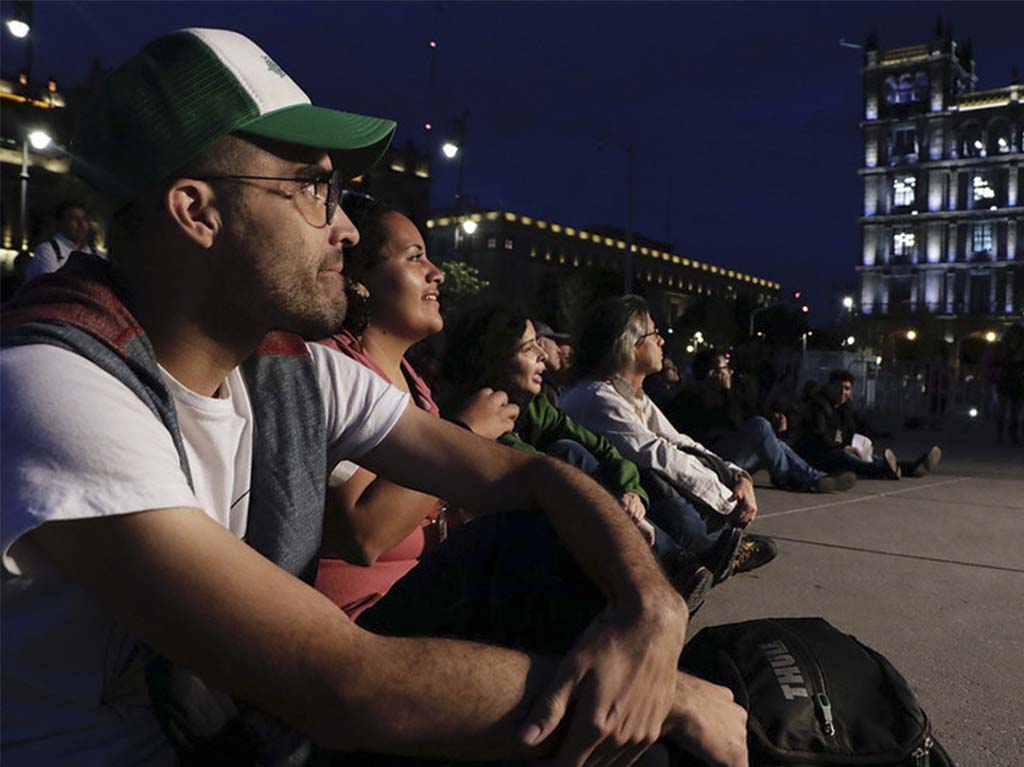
(185, 90)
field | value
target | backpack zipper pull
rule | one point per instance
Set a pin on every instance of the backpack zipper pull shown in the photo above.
(923, 753)
(825, 708)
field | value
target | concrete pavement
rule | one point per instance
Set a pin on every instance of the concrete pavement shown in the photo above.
(930, 572)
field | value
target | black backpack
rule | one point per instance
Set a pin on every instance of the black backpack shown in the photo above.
(815, 696)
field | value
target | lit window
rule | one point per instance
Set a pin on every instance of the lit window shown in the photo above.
(492, 242)
(981, 188)
(907, 89)
(981, 238)
(903, 191)
(903, 242)
(971, 144)
(508, 244)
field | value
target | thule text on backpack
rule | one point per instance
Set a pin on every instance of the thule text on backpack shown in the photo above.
(786, 670)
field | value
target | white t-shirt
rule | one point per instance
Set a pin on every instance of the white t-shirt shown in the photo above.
(78, 444)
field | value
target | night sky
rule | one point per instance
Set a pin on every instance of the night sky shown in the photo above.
(744, 116)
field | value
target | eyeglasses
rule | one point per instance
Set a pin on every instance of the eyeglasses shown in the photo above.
(640, 339)
(325, 188)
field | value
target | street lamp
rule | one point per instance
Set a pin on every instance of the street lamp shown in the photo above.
(456, 147)
(850, 340)
(991, 336)
(848, 302)
(911, 335)
(18, 28)
(39, 140)
(469, 226)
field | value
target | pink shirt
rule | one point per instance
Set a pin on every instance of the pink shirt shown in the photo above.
(352, 587)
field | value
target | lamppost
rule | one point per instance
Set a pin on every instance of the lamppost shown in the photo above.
(39, 140)
(20, 25)
(456, 147)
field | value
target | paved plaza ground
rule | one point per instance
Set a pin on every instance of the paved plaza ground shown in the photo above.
(930, 572)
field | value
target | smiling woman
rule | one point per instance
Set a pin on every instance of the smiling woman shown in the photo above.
(375, 531)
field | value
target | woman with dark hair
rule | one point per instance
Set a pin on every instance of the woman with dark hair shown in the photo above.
(374, 530)
(495, 347)
(619, 346)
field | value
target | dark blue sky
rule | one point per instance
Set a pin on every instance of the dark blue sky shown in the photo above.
(744, 116)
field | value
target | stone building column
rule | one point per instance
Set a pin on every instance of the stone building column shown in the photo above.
(1011, 240)
(951, 244)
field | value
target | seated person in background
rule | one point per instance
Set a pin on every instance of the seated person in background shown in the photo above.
(374, 530)
(619, 347)
(556, 364)
(73, 230)
(664, 386)
(831, 421)
(710, 411)
(493, 347)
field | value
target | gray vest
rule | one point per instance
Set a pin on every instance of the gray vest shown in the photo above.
(80, 309)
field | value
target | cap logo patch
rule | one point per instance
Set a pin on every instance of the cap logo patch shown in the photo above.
(273, 67)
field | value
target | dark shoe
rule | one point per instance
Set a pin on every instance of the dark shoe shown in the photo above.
(892, 464)
(722, 555)
(835, 483)
(755, 551)
(694, 587)
(927, 462)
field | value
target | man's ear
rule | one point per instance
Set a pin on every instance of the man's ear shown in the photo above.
(193, 208)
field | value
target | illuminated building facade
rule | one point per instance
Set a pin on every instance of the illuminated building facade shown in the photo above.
(28, 106)
(402, 178)
(533, 262)
(941, 226)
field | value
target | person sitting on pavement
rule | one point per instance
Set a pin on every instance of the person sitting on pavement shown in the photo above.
(72, 235)
(494, 347)
(665, 385)
(619, 347)
(170, 523)
(394, 295)
(556, 364)
(709, 411)
(832, 423)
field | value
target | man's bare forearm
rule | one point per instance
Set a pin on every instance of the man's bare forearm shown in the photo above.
(439, 458)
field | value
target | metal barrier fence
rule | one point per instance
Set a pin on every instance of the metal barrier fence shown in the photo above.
(922, 392)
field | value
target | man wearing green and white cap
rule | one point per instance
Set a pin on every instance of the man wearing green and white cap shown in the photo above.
(160, 533)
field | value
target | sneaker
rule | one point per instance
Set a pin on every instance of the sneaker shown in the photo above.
(835, 483)
(927, 462)
(892, 463)
(755, 551)
(722, 555)
(694, 586)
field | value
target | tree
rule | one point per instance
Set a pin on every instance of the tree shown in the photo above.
(461, 283)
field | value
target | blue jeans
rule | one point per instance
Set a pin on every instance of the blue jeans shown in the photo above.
(677, 524)
(755, 446)
(837, 459)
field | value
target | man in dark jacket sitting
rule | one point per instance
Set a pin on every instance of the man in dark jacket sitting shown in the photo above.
(828, 437)
(710, 411)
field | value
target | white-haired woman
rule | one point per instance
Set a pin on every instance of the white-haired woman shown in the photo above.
(619, 346)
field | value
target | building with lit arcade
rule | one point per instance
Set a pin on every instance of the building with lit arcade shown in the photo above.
(539, 264)
(941, 222)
